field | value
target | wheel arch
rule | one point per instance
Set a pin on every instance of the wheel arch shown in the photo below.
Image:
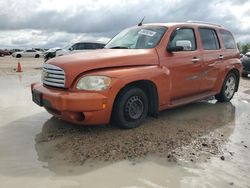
(150, 89)
(18, 55)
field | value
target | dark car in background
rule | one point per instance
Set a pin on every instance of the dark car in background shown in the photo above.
(246, 64)
(4, 53)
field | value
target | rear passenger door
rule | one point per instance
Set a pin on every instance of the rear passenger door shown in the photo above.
(212, 58)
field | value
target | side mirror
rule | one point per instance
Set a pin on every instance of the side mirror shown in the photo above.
(174, 48)
(181, 45)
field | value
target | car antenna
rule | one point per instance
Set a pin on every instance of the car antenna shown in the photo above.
(140, 24)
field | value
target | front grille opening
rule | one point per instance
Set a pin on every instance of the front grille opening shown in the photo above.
(53, 76)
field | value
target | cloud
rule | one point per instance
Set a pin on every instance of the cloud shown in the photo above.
(62, 21)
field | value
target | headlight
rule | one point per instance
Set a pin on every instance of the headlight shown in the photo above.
(94, 83)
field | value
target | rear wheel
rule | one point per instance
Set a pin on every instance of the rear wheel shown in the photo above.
(228, 88)
(18, 56)
(37, 56)
(131, 108)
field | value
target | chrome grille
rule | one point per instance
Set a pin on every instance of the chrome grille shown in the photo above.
(53, 76)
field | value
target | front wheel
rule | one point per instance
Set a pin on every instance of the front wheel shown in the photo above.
(131, 108)
(228, 88)
(37, 56)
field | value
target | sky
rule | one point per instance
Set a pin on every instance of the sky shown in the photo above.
(56, 23)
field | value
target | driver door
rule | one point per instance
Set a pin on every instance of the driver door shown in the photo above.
(185, 65)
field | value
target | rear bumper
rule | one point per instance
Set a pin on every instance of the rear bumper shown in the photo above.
(77, 107)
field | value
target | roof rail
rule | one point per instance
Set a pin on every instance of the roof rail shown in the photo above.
(201, 22)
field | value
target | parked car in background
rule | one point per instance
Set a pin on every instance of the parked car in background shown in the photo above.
(246, 64)
(15, 50)
(28, 53)
(79, 47)
(4, 53)
(50, 53)
(39, 49)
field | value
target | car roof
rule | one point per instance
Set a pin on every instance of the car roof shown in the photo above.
(181, 24)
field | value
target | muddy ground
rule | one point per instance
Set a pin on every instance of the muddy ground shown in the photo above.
(203, 144)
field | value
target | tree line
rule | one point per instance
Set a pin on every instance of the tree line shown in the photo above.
(244, 48)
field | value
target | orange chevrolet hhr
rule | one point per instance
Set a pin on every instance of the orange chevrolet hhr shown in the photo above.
(141, 71)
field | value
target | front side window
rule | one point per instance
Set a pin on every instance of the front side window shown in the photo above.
(228, 39)
(183, 35)
(209, 39)
(75, 47)
(81, 46)
(143, 37)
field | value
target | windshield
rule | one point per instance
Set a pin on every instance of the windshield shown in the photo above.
(137, 38)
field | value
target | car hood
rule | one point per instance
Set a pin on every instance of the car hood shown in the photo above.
(76, 64)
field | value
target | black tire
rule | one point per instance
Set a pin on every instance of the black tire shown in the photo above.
(130, 108)
(18, 56)
(227, 91)
(37, 56)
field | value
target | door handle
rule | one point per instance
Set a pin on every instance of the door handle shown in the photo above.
(221, 56)
(195, 59)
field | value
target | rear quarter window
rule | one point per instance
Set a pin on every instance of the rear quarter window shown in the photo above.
(209, 39)
(228, 39)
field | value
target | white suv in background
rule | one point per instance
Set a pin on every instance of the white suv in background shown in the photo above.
(79, 47)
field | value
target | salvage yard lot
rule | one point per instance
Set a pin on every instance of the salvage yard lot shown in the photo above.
(188, 143)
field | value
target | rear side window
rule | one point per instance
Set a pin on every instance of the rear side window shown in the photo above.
(228, 39)
(186, 34)
(209, 39)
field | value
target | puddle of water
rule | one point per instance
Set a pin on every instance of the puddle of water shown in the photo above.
(247, 92)
(25, 162)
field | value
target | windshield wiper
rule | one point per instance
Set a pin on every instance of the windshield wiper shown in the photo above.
(119, 47)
